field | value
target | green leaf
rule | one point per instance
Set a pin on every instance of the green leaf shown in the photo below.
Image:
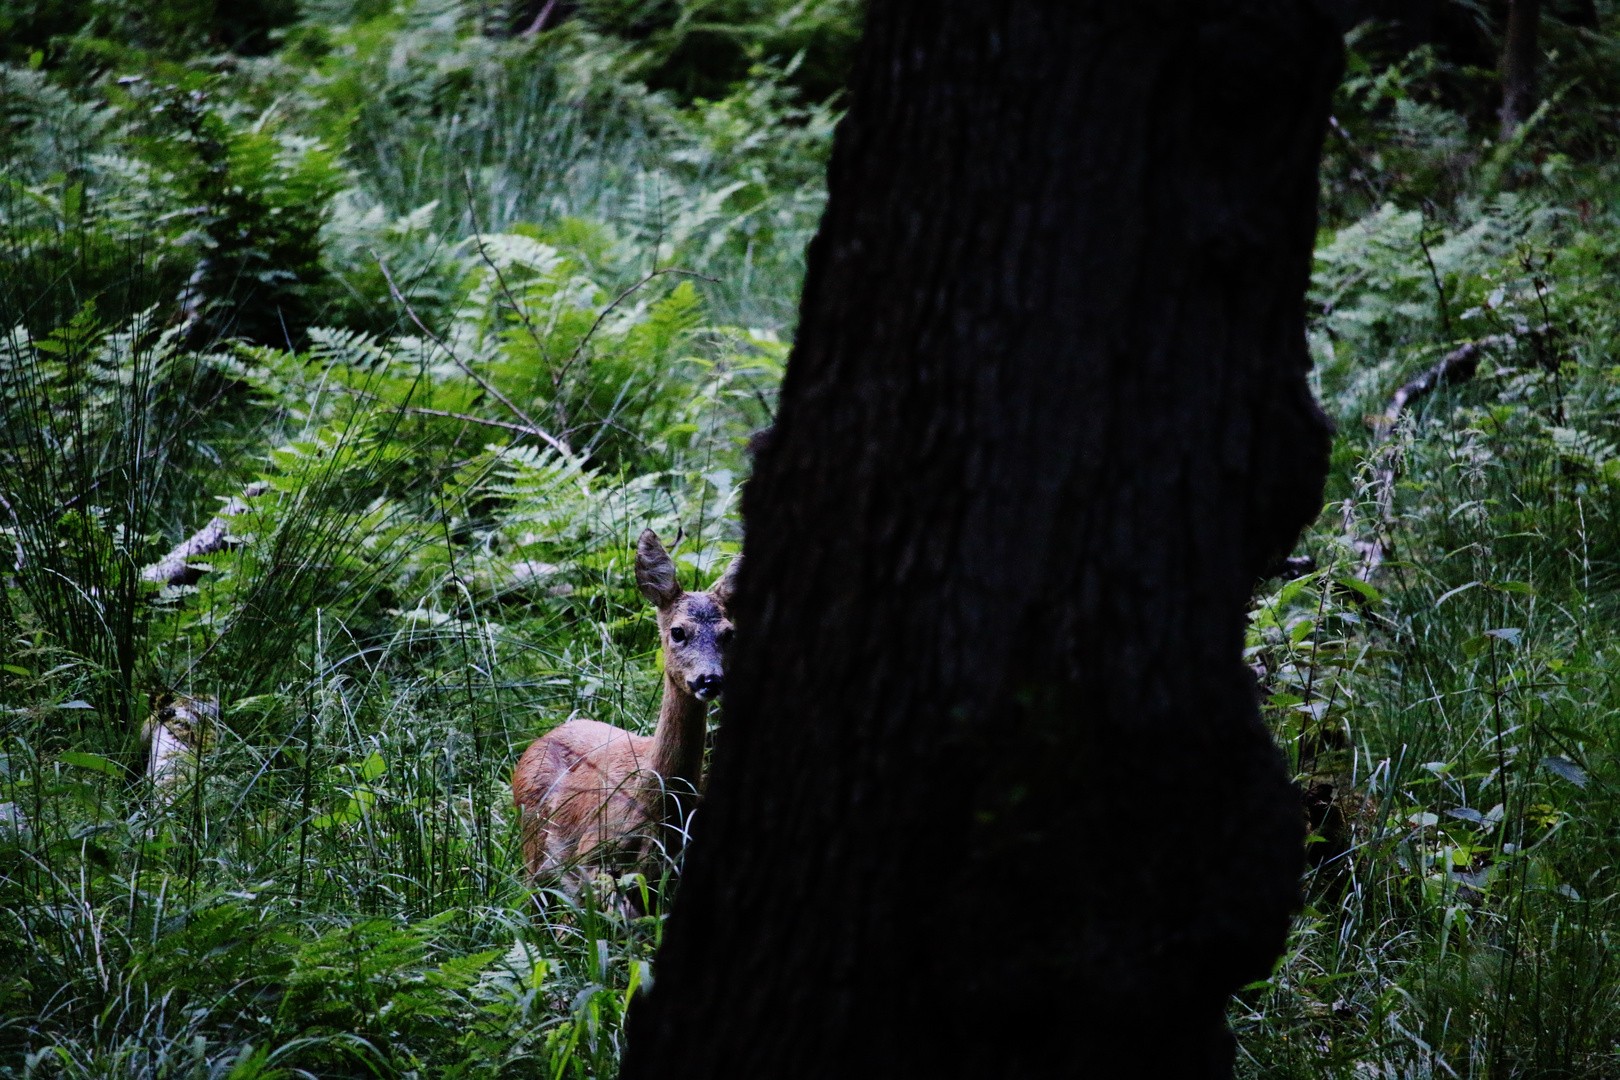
(1354, 584)
(373, 767)
(1566, 769)
(348, 815)
(1513, 587)
(91, 761)
(1459, 589)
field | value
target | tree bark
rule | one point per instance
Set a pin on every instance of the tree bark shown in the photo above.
(991, 795)
(1519, 55)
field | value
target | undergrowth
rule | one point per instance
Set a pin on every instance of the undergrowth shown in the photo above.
(1444, 682)
(453, 310)
(452, 317)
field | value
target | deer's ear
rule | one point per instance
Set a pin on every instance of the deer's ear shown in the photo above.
(723, 589)
(655, 571)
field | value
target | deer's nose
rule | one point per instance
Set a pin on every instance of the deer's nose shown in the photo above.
(706, 687)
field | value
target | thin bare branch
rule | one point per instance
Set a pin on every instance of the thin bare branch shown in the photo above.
(559, 411)
(617, 300)
(532, 428)
(420, 410)
(540, 20)
(478, 241)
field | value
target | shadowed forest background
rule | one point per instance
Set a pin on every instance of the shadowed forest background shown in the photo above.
(470, 294)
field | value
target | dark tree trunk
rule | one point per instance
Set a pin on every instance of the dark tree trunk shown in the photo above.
(992, 796)
(1519, 55)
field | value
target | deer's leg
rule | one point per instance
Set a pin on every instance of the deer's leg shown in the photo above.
(531, 837)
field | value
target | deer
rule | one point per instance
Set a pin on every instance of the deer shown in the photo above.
(593, 797)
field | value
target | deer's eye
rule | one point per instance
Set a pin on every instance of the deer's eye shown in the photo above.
(677, 635)
(724, 636)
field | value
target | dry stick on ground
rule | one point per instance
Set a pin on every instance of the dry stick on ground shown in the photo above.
(531, 428)
(175, 568)
(1457, 366)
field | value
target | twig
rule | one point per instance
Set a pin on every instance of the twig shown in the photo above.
(559, 411)
(478, 239)
(533, 428)
(539, 23)
(617, 300)
(1542, 336)
(1434, 275)
(418, 409)
(1366, 180)
(487, 423)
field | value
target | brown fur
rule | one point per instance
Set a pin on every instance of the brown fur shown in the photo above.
(593, 796)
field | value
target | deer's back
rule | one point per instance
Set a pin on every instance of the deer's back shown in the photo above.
(578, 787)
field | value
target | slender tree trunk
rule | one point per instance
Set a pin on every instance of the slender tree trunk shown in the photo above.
(992, 796)
(1519, 55)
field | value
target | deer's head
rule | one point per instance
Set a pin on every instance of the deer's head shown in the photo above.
(693, 626)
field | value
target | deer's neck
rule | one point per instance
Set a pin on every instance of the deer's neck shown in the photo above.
(678, 742)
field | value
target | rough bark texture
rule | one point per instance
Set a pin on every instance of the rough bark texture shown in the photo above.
(991, 795)
(1519, 56)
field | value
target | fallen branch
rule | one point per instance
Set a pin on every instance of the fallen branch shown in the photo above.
(175, 567)
(1457, 366)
